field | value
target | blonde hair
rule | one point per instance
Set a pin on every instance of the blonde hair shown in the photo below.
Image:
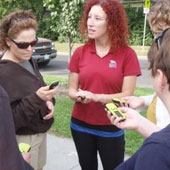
(14, 23)
(159, 16)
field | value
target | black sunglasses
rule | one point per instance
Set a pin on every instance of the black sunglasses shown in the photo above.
(24, 45)
(159, 37)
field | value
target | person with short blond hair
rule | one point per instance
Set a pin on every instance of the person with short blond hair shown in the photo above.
(159, 16)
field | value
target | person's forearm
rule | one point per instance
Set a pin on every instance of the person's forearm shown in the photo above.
(146, 127)
(72, 94)
(147, 99)
(106, 98)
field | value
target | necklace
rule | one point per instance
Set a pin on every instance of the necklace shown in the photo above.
(101, 53)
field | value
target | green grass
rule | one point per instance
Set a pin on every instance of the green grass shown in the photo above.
(63, 109)
(133, 140)
(51, 78)
(140, 51)
(143, 91)
(63, 47)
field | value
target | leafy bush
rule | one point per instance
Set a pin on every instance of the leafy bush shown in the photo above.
(136, 26)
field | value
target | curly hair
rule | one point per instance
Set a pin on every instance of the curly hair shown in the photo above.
(117, 21)
(159, 16)
(13, 23)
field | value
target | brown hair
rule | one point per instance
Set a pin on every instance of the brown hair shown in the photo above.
(13, 23)
(159, 16)
(160, 57)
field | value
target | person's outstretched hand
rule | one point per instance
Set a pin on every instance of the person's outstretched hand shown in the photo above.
(131, 122)
(135, 102)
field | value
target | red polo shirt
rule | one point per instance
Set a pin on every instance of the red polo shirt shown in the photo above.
(102, 76)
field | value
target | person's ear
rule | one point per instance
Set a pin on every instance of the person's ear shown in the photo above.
(8, 42)
(162, 80)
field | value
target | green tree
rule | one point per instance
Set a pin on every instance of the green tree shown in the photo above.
(7, 6)
(66, 15)
(36, 6)
(59, 19)
(136, 24)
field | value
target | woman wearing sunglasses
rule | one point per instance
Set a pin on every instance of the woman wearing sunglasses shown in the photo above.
(31, 100)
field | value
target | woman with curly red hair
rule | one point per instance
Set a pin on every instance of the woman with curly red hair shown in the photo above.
(103, 68)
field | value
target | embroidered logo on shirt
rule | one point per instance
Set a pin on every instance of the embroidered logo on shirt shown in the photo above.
(112, 64)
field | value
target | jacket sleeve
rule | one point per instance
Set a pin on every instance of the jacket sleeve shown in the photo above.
(26, 109)
(10, 156)
(153, 156)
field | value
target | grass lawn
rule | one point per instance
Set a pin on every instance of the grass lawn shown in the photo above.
(63, 108)
(63, 47)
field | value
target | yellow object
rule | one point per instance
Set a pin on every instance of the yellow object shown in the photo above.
(147, 3)
(114, 110)
(24, 147)
(151, 111)
(118, 100)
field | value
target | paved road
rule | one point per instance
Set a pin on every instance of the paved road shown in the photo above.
(145, 79)
(59, 65)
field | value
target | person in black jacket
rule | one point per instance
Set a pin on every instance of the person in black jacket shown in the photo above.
(10, 156)
(31, 99)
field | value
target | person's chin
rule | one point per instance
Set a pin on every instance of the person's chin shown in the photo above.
(91, 36)
(27, 57)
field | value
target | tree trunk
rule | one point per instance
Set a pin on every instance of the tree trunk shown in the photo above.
(69, 47)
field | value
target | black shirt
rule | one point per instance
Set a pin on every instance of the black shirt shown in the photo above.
(10, 157)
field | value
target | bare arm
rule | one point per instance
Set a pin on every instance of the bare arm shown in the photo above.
(75, 93)
(73, 85)
(128, 87)
(146, 127)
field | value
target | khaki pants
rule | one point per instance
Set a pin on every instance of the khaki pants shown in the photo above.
(38, 150)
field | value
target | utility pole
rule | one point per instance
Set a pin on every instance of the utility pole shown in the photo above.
(145, 11)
